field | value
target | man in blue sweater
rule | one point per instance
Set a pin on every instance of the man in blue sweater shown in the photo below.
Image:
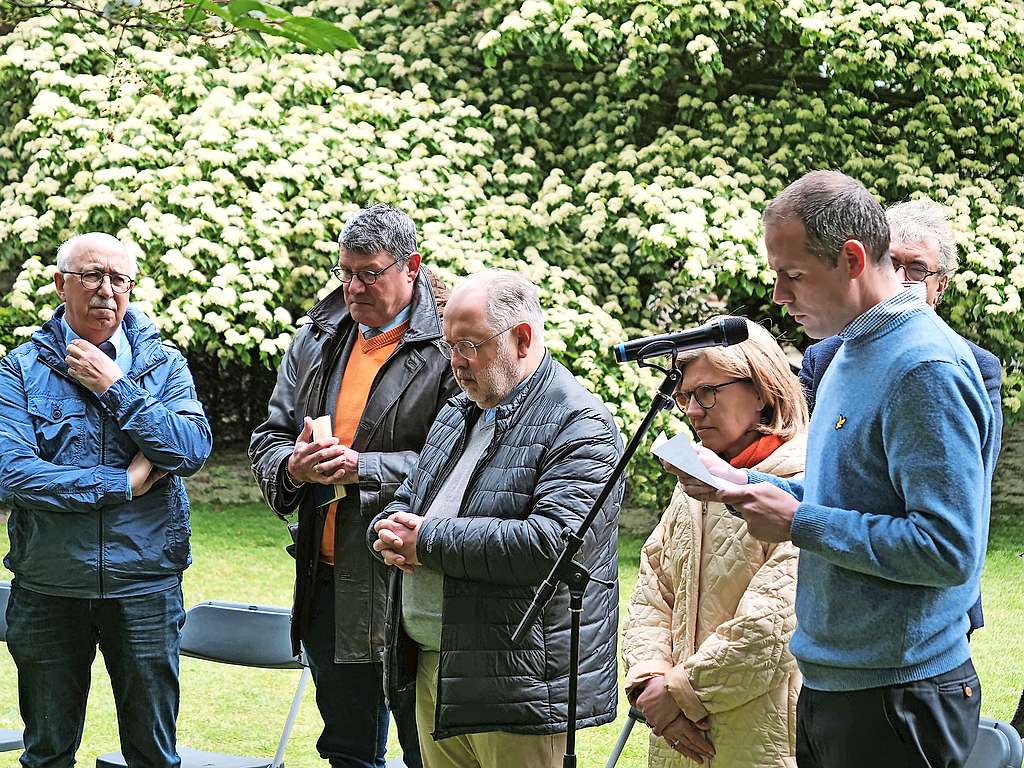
(892, 517)
(922, 248)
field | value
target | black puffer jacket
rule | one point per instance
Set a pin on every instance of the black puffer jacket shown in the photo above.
(406, 394)
(554, 446)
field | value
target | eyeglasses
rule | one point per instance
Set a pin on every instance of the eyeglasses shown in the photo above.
(467, 349)
(366, 276)
(94, 279)
(706, 395)
(916, 273)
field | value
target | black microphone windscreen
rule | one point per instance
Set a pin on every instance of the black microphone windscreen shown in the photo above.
(735, 330)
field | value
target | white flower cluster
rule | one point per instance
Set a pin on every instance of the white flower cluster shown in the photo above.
(230, 182)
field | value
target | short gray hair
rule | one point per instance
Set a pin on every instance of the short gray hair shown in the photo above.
(87, 241)
(380, 228)
(833, 209)
(920, 220)
(511, 299)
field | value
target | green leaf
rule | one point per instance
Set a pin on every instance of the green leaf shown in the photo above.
(252, 34)
(194, 13)
(318, 34)
(244, 8)
(214, 9)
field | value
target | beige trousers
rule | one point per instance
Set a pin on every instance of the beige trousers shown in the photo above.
(476, 750)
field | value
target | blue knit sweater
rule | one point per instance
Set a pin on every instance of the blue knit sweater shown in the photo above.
(893, 519)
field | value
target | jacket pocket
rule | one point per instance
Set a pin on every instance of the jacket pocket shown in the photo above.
(60, 425)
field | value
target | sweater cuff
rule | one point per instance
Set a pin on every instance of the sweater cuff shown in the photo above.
(808, 526)
(761, 477)
(119, 395)
(677, 681)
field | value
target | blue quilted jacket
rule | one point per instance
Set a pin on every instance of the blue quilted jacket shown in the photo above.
(64, 452)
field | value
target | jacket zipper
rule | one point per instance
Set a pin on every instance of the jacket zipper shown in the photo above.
(103, 459)
(446, 470)
(428, 500)
(103, 450)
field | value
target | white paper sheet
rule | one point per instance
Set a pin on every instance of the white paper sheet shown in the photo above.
(678, 451)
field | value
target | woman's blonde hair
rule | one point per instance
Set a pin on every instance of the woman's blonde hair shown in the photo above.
(761, 359)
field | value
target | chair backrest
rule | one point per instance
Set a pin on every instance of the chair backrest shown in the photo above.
(235, 633)
(998, 746)
(5, 594)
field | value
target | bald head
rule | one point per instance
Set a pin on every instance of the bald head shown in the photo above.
(72, 251)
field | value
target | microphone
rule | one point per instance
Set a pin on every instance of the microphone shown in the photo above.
(717, 333)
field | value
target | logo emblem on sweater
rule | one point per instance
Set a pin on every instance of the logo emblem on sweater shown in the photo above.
(840, 422)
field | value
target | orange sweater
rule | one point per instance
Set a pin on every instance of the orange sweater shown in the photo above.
(366, 359)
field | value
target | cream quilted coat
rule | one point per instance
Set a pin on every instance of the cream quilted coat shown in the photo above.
(713, 613)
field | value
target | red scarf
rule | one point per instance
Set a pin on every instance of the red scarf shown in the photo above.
(756, 452)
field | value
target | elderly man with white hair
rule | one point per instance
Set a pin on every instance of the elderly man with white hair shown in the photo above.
(99, 422)
(521, 455)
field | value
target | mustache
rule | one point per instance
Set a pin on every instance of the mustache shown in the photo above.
(98, 302)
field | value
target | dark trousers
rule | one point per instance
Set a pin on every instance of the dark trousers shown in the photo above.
(350, 696)
(53, 641)
(929, 723)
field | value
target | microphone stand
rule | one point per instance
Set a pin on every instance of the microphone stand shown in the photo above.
(574, 575)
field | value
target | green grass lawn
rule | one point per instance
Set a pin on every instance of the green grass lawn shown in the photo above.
(239, 555)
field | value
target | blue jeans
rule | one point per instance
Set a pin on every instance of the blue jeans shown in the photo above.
(350, 696)
(53, 641)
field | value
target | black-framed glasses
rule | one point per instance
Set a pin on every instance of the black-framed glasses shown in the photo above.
(916, 273)
(366, 276)
(706, 395)
(93, 279)
(467, 349)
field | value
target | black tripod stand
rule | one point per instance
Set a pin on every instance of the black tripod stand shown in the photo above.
(576, 577)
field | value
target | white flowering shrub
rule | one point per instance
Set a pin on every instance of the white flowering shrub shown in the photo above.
(620, 153)
(691, 114)
(230, 182)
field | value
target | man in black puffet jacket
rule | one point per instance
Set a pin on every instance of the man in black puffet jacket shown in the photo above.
(521, 455)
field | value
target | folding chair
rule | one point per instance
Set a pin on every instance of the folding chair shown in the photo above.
(246, 635)
(998, 746)
(9, 739)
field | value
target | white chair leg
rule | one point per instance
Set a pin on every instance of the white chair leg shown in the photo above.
(293, 713)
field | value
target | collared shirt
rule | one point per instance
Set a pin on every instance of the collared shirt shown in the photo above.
(912, 297)
(123, 349)
(401, 317)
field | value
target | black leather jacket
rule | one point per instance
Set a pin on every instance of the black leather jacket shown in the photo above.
(404, 398)
(554, 446)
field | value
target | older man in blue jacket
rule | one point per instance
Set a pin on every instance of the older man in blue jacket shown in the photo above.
(99, 421)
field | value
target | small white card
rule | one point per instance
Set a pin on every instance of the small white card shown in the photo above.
(322, 428)
(678, 451)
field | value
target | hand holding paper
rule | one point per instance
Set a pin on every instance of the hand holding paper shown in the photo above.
(322, 429)
(683, 457)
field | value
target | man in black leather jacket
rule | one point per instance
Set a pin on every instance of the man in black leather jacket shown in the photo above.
(370, 361)
(520, 456)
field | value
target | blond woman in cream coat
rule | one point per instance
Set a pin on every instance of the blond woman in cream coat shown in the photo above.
(705, 642)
